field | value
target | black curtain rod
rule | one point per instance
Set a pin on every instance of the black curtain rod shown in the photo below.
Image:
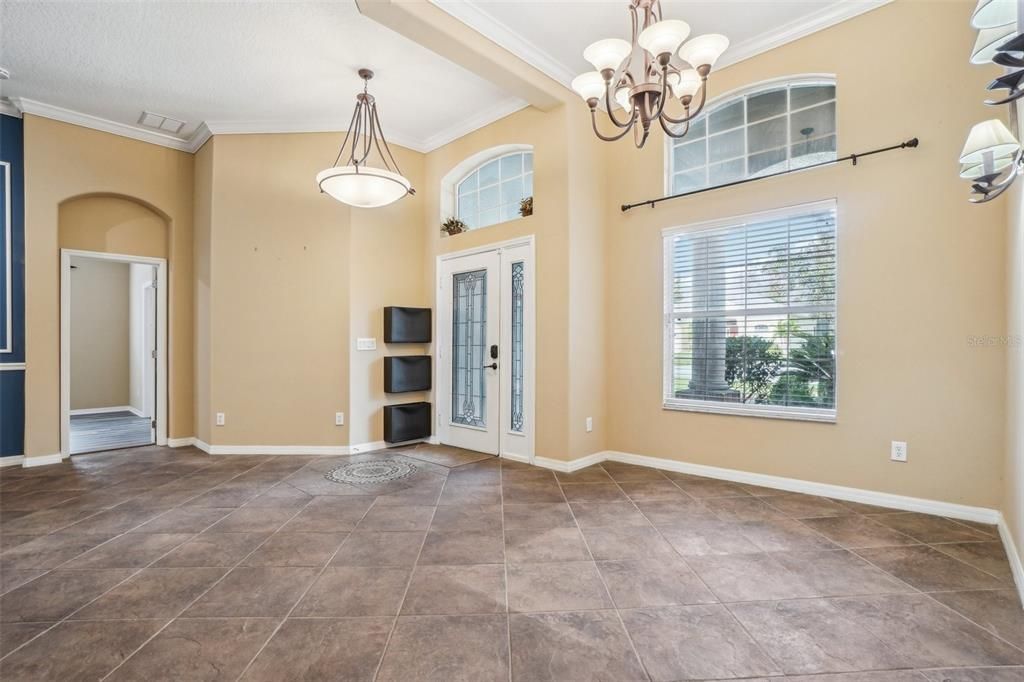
(911, 143)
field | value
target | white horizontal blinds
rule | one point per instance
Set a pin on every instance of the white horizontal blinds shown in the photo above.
(751, 312)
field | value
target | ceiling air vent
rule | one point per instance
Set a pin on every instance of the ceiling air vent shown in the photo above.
(162, 123)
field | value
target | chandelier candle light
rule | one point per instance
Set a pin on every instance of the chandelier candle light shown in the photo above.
(670, 68)
(357, 183)
(992, 158)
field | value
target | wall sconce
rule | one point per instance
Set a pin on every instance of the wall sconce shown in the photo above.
(992, 159)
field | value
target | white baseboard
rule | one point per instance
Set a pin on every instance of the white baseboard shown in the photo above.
(42, 460)
(325, 450)
(104, 410)
(181, 442)
(11, 460)
(365, 447)
(512, 457)
(568, 466)
(1013, 556)
(879, 499)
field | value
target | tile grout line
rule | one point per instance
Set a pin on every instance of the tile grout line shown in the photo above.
(212, 586)
(604, 583)
(504, 564)
(408, 583)
(313, 582)
(924, 593)
(118, 584)
(827, 598)
(778, 666)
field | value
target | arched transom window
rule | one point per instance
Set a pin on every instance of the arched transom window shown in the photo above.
(761, 131)
(491, 193)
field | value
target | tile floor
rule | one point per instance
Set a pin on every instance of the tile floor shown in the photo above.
(158, 564)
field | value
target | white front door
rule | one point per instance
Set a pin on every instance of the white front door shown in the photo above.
(470, 287)
(485, 353)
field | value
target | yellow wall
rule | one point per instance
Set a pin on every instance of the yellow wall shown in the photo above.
(62, 162)
(99, 334)
(201, 257)
(1013, 480)
(276, 257)
(287, 278)
(920, 271)
(112, 225)
(386, 268)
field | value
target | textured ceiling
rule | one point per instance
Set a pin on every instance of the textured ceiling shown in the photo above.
(553, 35)
(251, 65)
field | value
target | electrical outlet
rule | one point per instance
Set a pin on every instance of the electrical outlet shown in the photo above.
(339, 418)
(220, 419)
(899, 451)
(590, 424)
(366, 343)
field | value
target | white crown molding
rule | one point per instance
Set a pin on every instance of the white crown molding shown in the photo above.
(473, 15)
(465, 126)
(199, 138)
(29, 106)
(831, 15)
(8, 108)
(300, 126)
(208, 129)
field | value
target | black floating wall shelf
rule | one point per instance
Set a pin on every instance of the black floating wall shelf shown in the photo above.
(405, 422)
(407, 325)
(404, 373)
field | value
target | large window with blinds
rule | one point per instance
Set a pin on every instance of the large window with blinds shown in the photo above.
(750, 314)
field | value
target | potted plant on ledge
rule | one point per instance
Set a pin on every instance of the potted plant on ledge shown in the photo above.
(453, 226)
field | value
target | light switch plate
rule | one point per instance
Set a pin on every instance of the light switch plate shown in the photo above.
(366, 344)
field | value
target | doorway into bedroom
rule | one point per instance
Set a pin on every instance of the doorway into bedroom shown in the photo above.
(109, 351)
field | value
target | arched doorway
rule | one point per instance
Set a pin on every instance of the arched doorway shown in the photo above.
(113, 323)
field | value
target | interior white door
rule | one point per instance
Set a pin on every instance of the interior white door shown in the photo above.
(470, 295)
(149, 400)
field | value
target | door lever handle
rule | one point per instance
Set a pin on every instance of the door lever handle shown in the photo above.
(493, 365)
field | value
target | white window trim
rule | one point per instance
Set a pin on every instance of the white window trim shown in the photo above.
(497, 185)
(746, 91)
(450, 181)
(741, 409)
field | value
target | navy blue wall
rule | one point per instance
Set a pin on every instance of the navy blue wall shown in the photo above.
(12, 381)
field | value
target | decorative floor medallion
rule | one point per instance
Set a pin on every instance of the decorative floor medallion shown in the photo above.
(370, 472)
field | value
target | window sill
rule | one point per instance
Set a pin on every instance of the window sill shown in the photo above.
(763, 411)
(510, 221)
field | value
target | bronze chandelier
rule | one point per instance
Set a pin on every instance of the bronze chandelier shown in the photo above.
(670, 67)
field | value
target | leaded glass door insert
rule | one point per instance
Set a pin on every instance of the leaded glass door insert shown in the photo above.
(517, 350)
(469, 348)
(485, 363)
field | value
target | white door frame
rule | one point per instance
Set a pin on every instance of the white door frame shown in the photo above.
(512, 445)
(65, 339)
